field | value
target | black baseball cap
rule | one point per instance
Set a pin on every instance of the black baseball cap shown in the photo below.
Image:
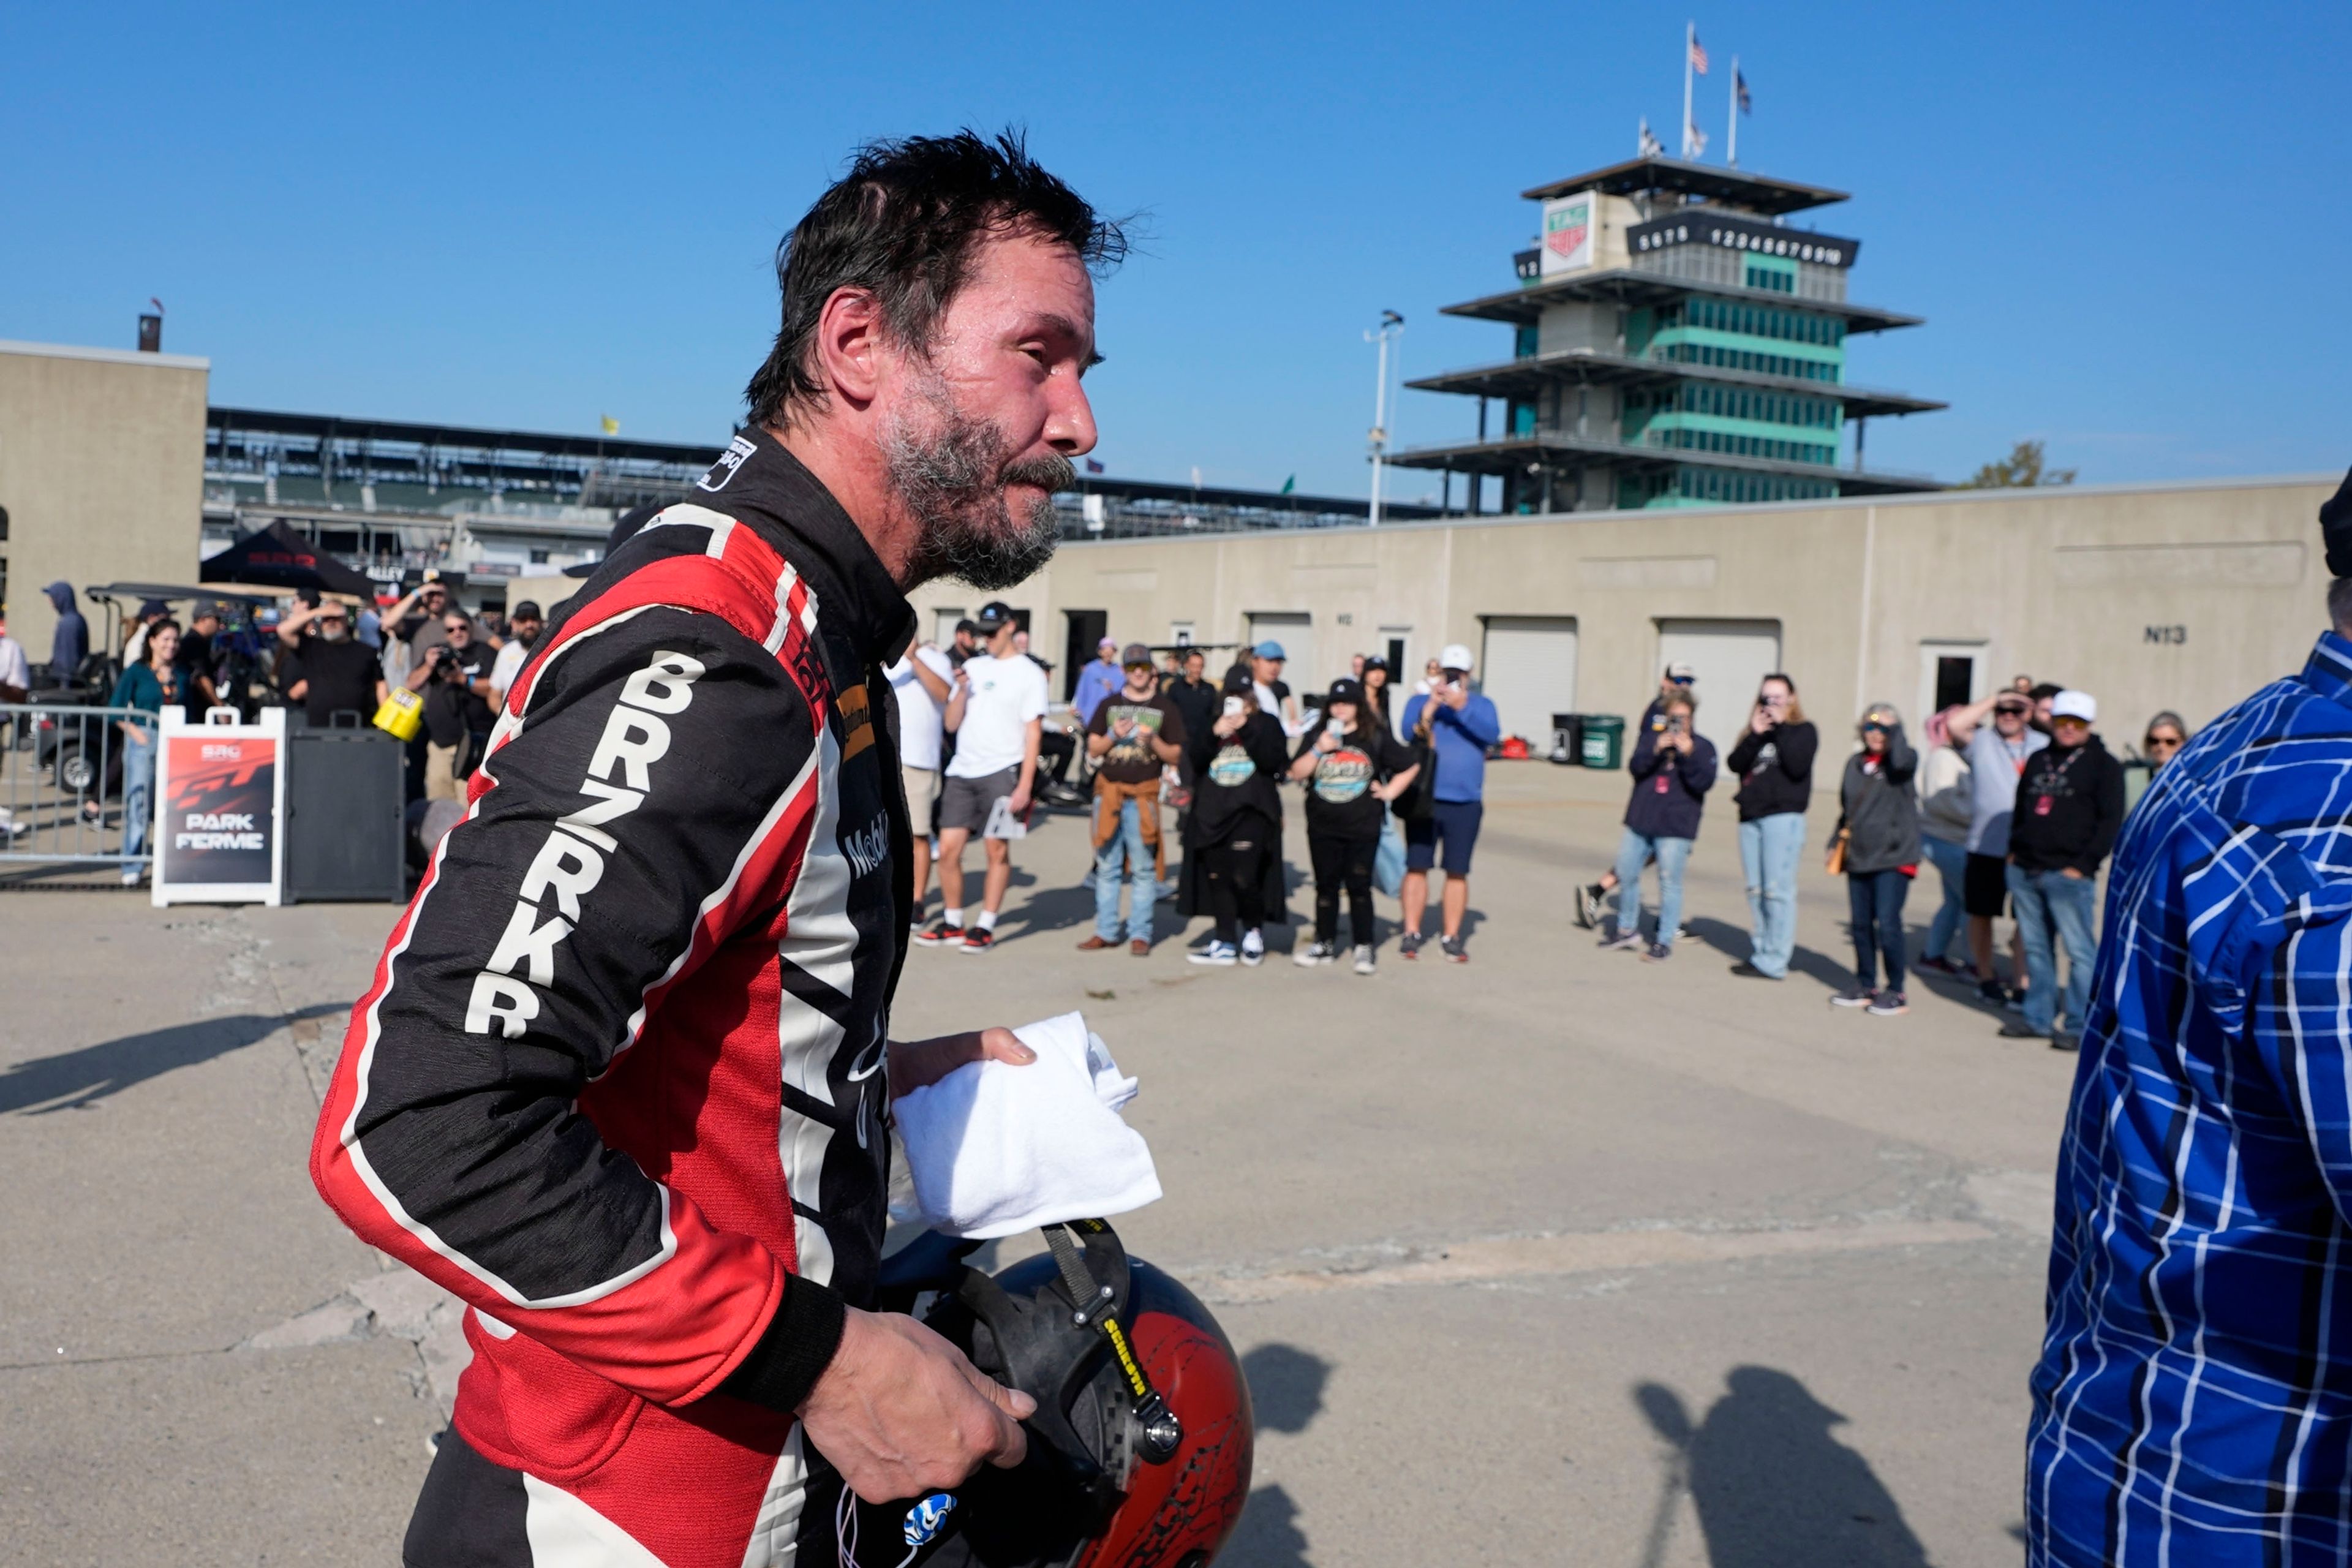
(993, 617)
(529, 608)
(1347, 689)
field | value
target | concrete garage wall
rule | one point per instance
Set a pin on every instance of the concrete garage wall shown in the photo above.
(102, 469)
(2184, 596)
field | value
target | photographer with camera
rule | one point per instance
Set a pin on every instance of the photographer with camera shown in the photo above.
(454, 678)
(1673, 766)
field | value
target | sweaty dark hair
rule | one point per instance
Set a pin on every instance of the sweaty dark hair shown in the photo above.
(904, 224)
(2043, 692)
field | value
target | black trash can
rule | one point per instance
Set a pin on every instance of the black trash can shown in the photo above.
(1568, 740)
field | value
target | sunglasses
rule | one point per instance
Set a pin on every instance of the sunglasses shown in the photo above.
(2170, 743)
(2010, 710)
(1682, 680)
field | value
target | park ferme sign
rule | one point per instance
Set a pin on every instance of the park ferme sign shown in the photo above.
(220, 809)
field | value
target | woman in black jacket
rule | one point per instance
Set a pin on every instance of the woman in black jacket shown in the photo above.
(1774, 764)
(1232, 835)
(1878, 840)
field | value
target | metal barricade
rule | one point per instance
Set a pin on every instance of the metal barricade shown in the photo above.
(64, 796)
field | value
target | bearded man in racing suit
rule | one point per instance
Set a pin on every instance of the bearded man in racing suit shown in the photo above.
(621, 1080)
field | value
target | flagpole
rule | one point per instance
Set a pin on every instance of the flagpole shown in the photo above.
(1690, 41)
(1732, 150)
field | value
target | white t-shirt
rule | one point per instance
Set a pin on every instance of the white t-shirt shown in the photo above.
(1006, 693)
(506, 666)
(921, 721)
(13, 671)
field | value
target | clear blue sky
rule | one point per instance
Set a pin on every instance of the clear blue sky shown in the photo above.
(2129, 226)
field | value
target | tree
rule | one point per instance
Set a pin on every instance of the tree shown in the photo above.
(2021, 470)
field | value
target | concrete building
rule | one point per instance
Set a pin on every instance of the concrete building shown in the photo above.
(101, 475)
(1677, 341)
(2150, 597)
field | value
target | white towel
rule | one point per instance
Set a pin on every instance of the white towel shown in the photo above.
(995, 1149)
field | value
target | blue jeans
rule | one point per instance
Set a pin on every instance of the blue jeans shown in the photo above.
(1875, 900)
(1768, 850)
(1951, 862)
(1635, 849)
(1126, 844)
(2044, 901)
(138, 797)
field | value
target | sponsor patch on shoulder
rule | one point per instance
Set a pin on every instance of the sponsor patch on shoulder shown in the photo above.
(738, 451)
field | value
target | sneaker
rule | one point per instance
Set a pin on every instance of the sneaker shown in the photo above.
(1366, 963)
(1587, 905)
(1140, 948)
(1747, 971)
(1454, 950)
(1992, 991)
(1889, 1005)
(131, 879)
(979, 938)
(1657, 953)
(1677, 935)
(1253, 948)
(941, 934)
(2063, 1042)
(1316, 952)
(1943, 966)
(1221, 953)
(1409, 944)
(1859, 996)
(1095, 943)
(1623, 941)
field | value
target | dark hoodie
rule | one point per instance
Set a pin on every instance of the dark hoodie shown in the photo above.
(71, 644)
(1880, 814)
(2070, 806)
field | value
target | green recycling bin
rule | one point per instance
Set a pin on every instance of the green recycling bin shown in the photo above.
(1604, 740)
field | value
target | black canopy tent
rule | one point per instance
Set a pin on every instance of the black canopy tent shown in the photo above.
(278, 557)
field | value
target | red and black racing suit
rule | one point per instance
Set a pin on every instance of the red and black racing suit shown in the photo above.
(619, 1080)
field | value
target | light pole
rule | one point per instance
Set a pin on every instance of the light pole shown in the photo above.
(1392, 326)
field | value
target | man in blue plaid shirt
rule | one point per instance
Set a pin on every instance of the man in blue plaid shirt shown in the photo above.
(2193, 1403)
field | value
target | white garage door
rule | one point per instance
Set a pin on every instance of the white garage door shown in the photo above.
(1294, 630)
(1528, 671)
(1732, 658)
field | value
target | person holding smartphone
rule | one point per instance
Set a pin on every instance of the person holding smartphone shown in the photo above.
(1456, 724)
(1352, 768)
(1233, 835)
(1673, 766)
(1774, 761)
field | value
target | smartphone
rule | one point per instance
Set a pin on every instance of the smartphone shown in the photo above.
(1234, 707)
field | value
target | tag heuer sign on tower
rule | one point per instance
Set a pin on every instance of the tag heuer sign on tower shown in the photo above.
(1568, 224)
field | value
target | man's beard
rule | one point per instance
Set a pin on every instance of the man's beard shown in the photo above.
(953, 478)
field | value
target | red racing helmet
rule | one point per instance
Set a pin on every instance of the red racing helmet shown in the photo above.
(1139, 1451)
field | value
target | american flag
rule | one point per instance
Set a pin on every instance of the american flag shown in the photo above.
(1093, 467)
(1739, 86)
(1698, 54)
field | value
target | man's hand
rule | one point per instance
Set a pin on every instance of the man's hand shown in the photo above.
(916, 1063)
(1455, 695)
(1122, 727)
(901, 1413)
(1017, 802)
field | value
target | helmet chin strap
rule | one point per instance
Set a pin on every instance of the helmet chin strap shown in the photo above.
(1160, 1433)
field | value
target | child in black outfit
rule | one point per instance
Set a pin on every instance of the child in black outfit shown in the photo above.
(1356, 767)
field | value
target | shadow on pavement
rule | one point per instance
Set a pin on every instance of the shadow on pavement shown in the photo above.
(1268, 1535)
(78, 1077)
(1770, 1484)
(1732, 941)
(1286, 1386)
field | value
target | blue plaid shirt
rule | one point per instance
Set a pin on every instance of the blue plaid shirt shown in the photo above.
(2193, 1403)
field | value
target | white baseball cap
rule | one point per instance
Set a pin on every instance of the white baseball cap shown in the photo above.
(1454, 656)
(2075, 705)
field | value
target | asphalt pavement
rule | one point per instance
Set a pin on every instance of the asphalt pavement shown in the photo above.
(1556, 1256)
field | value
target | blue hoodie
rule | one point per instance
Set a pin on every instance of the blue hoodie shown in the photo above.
(71, 644)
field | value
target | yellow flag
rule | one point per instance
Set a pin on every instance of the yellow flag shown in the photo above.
(612, 425)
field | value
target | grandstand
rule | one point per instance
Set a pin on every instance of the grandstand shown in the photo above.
(391, 498)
